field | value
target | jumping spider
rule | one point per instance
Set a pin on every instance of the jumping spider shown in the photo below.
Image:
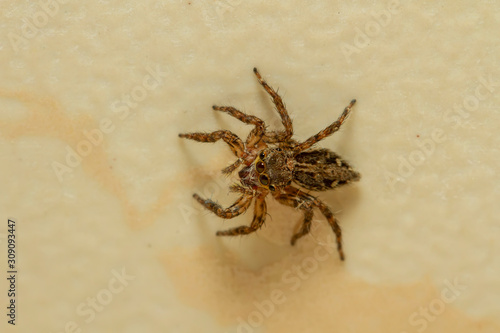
(271, 161)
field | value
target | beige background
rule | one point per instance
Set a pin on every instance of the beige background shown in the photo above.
(421, 228)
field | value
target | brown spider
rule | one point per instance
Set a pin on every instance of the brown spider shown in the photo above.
(271, 161)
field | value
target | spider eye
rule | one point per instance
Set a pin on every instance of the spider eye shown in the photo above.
(260, 167)
(262, 155)
(264, 180)
(272, 188)
(279, 149)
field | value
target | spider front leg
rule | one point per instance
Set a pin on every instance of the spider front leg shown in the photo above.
(234, 142)
(238, 208)
(280, 106)
(229, 169)
(334, 127)
(257, 222)
(256, 134)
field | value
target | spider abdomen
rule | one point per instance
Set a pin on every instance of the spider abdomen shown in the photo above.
(321, 170)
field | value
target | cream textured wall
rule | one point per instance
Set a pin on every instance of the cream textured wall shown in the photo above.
(109, 239)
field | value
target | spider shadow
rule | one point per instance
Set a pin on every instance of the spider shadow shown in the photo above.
(253, 251)
(270, 246)
(262, 262)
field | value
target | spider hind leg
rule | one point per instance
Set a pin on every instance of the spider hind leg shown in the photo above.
(296, 198)
(334, 127)
(306, 226)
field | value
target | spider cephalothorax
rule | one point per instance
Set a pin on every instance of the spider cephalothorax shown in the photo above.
(271, 161)
(272, 169)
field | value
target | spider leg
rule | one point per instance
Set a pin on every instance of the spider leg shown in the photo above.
(240, 189)
(296, 198)
(229, 169)
(334, 127)
(303, 203)
(238, 208)
(333, 223)
(231, 139)
(257, 222)
(306, 226)
(256, 134)
(272, 137)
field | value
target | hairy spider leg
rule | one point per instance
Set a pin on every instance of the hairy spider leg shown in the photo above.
(238, 208)
(296, 198)
(259, 217)
(234, 142)
(241, 189)
(333, 223)
(334, 127)
(256, 134)
(302, 203)
(272, 137)
(229, 169)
